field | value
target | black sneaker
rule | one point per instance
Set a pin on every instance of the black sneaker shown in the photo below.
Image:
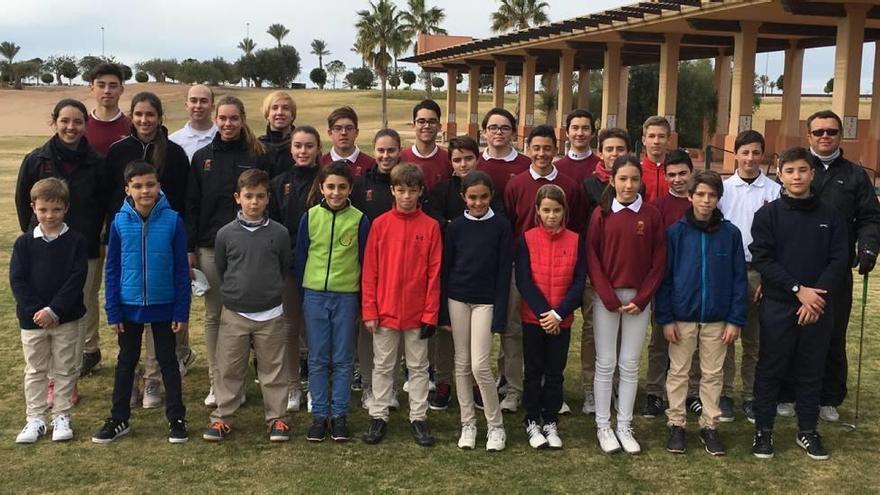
(318, 430)
(421, 433)
(216, 432)
(478, 398)
(91, 361)
(675, 441)
(762, 445)
(694, 405)
(304, 371)
(812, 443)
(177, 431)
(726, 406)
(440, 400)
(279, 431)
(376, 431)
(653, 406)
(339, 429)
(748, 408)
(111, 430)
(357, 382)
(710, 439)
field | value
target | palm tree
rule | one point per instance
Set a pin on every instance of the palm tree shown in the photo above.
(278, 31)
(379, 30)
(319, 48)
(247, 45)
(359, 47)
(418, 19)
(515, 15)
(9, 50)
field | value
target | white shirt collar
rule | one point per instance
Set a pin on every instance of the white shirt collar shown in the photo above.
(415, 151)
(489, 214)
(574, 155)
(509, 158)
(551, 176)
(676, 195)
(192, 131)
(116, 117)
(635, 206)
(38, 233)
(351, 158)
(758, 182)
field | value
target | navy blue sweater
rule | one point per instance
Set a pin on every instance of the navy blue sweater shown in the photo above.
(477, 264)
(798, 242)
(49, 274)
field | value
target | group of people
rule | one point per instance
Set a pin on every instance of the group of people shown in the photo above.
(421, 255)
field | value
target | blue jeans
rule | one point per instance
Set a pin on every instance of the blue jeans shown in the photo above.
(330, 319)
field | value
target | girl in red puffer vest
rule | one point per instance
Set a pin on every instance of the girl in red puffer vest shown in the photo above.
(551, 269)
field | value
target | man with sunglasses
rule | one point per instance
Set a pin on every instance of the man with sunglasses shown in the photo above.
(844, 185)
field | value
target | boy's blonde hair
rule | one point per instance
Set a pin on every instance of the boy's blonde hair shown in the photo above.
(273, 97)
(51, 189)
(407, 174)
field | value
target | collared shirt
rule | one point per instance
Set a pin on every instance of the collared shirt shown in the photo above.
(509, 158)
(551, 176)
(38, 233)
(350, 158)
(192, 139)
(635, 206)
(415, 151)
(742, 200)
(489, 214)
(574, 155)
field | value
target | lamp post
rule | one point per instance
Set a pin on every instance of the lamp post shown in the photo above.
(102, 41)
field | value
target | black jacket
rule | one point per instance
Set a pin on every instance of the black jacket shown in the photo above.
(277, 145)
(212, 180)
(288, 197)
(85, 173)
(446, 204)
(173, 176)
(371, 193)
(846, 187)
(798, 242)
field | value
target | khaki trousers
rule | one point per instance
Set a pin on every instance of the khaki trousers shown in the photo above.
(213, 308)
(233, 349)
(750, 347)
(510, 356)
(386, 346)
(472, 336)
(88, 325)
(55, 349)
(706, 338)
(365, 358)
(441, 351)
(588, 342)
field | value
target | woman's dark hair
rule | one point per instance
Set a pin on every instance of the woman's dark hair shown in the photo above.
(253, 144)
(477, 177)
(160, 141)
(608, 193)
(69, 102)
(139, 167)
(387, 132)
(307, 129)
(340, 168)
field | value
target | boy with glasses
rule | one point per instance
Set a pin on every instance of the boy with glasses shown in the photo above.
(342, 127)
(432, 159)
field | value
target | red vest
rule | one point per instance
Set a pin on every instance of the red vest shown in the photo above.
(552, 260)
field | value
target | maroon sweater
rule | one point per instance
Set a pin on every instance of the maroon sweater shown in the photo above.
(502, 171)
(436, 168)
(626, 250)
(519, 201)
(672, 208)
(101, 133)
(361, 164)
(578, 170)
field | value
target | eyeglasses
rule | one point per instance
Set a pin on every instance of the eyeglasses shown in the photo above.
(822, 132)
(341, 128)
(499, 128)
(427, 122)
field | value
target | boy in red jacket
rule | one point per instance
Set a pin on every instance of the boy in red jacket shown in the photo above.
(401, 300)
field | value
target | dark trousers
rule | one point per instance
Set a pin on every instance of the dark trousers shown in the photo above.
(130, 353)
(544, 357)
(787, 347)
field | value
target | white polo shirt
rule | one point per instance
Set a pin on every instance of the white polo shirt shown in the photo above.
(191, 140)
(742, 200)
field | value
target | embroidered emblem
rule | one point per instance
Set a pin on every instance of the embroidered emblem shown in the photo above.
(346, 239)
(286, 189)
(369, 194)
(640, 227)
(206, 166)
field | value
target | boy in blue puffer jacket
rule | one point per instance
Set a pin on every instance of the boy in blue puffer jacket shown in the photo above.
(147, 282)
(701, 304)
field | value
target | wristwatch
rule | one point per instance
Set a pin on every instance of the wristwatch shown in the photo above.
(795, 288)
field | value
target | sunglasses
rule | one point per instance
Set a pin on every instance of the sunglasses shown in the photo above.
(822, 132)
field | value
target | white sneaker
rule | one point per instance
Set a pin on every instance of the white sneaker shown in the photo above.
(309, 401)
(432, 386)
(785, 409)
(31, 432)
(536, 438)
(406, 387)
(294, 400)
(551, 433)
(564, 409)
(607, 440)
(366, 398)
(496, 439)
(61, 430)
(152, 396)
(589, 403)
(210, 400)
(395, 401)
(502, 389)
(468, 439)
(628, 441)
(829, 413)
(510, 402)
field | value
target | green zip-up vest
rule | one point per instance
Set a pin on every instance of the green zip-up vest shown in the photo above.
(333, 263)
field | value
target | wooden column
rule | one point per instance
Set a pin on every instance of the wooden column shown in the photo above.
(790, 131)
(583, 99)
(498, 80)
(847, 67)
(526, 99)
(667, 94)
(871, 154)
(743, 87)
(473, 128)
(451, 96)
(611, 85)
(722, 89)
(563, 99)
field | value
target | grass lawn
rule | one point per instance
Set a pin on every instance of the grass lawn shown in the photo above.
(247, 462)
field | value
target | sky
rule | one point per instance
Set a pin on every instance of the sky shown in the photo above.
(139, 30)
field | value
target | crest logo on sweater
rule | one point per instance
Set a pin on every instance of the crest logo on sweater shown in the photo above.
(206, 166)
(420, 237)
(286, 189)
(640, 227)
(369, 194)
(346, 239)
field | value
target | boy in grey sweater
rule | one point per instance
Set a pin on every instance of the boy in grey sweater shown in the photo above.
(252, 254)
